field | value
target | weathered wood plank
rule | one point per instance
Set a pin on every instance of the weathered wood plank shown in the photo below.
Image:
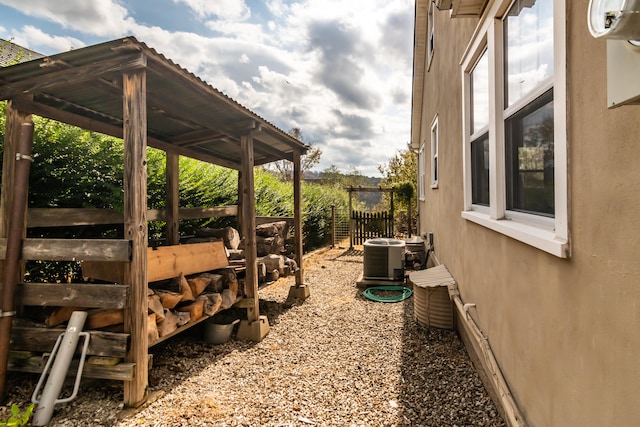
(35, 365)
(172, 199)
(164, 262)
(72, 249)
(72, 295)
(297, 215)
(42, 339)
(74, 75)
(70, 217)
(134, 85)
(249, 226)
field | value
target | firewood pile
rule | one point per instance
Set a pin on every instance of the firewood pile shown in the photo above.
(176, 302)
(273, 243)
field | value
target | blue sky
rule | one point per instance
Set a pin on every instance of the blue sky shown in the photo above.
(338, 70)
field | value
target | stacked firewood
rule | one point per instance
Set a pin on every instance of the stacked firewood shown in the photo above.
(271, 240)
(182, 300)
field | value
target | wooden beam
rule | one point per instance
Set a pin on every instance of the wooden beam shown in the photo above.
(119, 372)
(172, 201)
(116, 131)
(297, 216)
(42, 339)
(73, 76)
(84, 295)
(71, 217)
(72, 249)
(249, 227)
(135, 229)
(61, 217)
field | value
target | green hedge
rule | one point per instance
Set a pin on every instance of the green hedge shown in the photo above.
(74, 168)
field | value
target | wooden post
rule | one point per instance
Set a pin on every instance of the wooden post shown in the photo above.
(13, 126)
(350, 221)
(135, 228)
(249, 227)
(297, 216)
(172, 174)
(240, 208)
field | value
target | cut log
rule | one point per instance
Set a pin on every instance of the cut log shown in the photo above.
(185, 289)
(152, 328)
(168, 299)
(169, 324)
(269, 245)
(156, 307)
(273, 275)
(273, 262)
(212, 303)
(271, 229)
(206, 281)
(183, 317)
(262, 271)
(229, 235)
(195, 309)
(59, 315)
(236, 254)
(228, 298)
(101, 317)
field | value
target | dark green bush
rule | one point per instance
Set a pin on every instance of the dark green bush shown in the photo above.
(74, 168)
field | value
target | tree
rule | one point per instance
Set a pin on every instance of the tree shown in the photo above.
(402, 172)
(283, 169)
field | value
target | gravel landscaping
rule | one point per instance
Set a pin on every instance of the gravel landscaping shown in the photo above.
(336, 359)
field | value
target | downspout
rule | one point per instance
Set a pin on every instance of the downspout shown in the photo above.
(14, 246)
(512, 413)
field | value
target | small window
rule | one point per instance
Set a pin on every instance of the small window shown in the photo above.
(480, 171)
(431, 43)
(434, 154)
(421, 174)
(479, 124)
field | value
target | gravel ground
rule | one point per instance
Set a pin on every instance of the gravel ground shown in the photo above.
(336, 359)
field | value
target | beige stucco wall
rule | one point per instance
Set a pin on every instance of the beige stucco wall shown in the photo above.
(564, 331)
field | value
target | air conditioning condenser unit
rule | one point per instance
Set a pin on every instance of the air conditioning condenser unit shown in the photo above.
(384, 259)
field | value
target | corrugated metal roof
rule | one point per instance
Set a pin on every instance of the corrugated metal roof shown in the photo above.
(185, 114)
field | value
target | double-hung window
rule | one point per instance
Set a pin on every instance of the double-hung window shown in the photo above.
(514, 129)
(434, 153)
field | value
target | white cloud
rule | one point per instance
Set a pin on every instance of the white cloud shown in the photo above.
(34, 37)
(96, 17)
(231, 10)
(340, 71)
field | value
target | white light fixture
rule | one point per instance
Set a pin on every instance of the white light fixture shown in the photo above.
(615, 19)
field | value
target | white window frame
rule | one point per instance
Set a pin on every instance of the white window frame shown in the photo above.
(547, 234)
(421, 173)
(435, 170)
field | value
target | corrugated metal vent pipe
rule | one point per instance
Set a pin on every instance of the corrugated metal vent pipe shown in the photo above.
(512, 413)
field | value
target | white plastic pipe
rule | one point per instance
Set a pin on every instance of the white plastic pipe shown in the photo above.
(61, 356)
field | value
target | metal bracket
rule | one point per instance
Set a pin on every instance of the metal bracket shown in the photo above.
(20, 156)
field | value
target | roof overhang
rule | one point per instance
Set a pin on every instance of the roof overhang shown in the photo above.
(419, 69)
(185, 115)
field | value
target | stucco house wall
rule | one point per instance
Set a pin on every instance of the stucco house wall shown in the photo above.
(564, 330)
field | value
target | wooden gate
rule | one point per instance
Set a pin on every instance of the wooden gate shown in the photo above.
(368, 225)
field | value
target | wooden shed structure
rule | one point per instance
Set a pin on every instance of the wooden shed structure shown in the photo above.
(126, 89)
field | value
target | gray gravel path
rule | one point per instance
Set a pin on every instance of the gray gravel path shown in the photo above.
(337, 359)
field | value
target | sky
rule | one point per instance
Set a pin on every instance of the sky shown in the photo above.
(338, 70)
